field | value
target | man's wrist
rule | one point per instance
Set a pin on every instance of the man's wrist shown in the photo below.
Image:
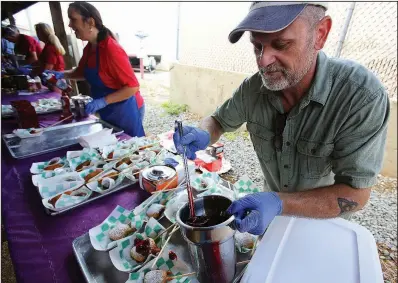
(284, 197)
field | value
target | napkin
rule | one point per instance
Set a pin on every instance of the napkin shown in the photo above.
(99, 139)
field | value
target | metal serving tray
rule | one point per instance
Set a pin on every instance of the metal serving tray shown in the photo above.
(53, 138)
(97, 266)
(94, 196)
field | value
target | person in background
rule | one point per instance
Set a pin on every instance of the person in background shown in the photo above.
(318, 125)
(24, 44)
(51, 57)
(7, 50)
(106, 67)
(7, 47)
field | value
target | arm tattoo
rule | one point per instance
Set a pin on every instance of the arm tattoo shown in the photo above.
(346, 205)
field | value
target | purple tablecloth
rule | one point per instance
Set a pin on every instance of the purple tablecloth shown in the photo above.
(11, 123)
(7, 98)
(41, 245)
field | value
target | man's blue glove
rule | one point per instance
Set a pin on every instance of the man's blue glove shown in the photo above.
(24, 70)
(171, 162)
(193, 138)
(261, 208)
(96, 105)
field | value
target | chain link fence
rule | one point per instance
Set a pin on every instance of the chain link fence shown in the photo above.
(371, 37)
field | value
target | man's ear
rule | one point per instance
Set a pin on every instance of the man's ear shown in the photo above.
(322, 32)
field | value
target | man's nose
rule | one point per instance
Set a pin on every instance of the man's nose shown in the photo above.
(266, 57)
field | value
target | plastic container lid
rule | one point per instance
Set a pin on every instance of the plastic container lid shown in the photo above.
(299, 250)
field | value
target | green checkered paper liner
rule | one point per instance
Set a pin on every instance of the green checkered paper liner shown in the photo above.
(84, 155)
(140, 141)
(85, 151)
(130, 170)
(67, 200)
(99, 235)
(50, 190)
(95, 187)
(174, 204)
(38, 167)
(120, 256)
(89, 170)
(211, 175)
(218, 190)
(149, 156)
(238, 244)
(136, 165)
(49, 174)
(244, 186)
(52, 186)
(175, 267)
(160, 198)
(204, 181)
(117, 152)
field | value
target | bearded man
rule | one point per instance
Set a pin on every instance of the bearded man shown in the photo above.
(318, 124)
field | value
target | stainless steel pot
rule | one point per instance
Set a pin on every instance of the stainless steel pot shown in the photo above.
(80, 102)
(212, 249)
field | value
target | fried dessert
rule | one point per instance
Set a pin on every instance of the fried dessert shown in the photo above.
(53, 166)
(124, 160)
(71, 193)
(120, 231)
(155, 210)
(156, 276)
(104, 183)
(93, 174)
(54, 161)
(54, 200)
(244, 240)
(142, 249)
(203, 184)
(112, 175)
(82, 165)
(32, 132)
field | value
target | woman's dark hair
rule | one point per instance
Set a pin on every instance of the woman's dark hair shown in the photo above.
(86, 10)
(10, 30)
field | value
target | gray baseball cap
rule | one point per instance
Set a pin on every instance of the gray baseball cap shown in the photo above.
(269, 17)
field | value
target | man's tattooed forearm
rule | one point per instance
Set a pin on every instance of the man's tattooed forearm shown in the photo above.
(346, 205)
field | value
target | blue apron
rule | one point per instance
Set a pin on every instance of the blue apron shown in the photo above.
(124, 114)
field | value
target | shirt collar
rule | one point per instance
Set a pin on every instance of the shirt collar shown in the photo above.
(322, 83)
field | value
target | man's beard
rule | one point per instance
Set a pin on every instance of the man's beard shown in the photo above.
(287, 78)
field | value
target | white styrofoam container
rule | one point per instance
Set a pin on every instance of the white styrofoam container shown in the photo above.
(300, 250)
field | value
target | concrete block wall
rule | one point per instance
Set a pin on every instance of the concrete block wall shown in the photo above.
(202, 89)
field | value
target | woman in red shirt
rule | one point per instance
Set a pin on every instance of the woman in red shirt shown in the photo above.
(24, 44)
(51, 57)
(106, 67)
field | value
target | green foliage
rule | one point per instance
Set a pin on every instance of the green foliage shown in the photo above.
(173, 108)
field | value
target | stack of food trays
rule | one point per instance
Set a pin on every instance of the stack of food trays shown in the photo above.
(82, 176)
(143, 242)
(136, 239)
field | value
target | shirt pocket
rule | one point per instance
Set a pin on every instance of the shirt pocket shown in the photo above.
(314, 159)
(263, 141)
